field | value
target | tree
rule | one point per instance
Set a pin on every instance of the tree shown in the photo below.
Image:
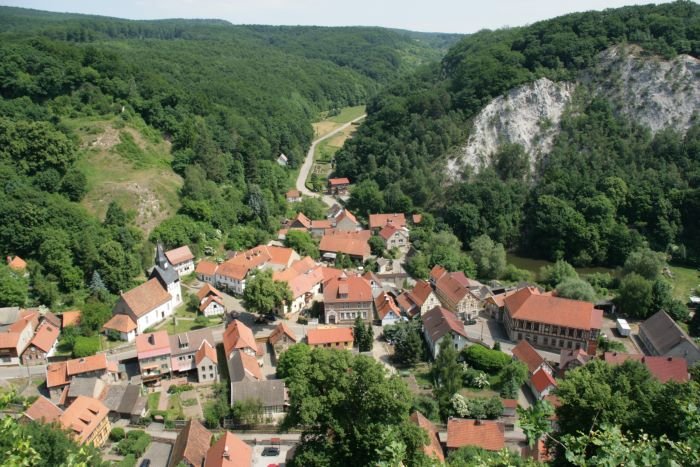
(511, 162)
(263, 295)
(359, 332)
(447, 374)
(244, 237)
(483, 358)
(97, 286)
(408, 344)
(535, 421)
(513, 376)
(301, 242)
(248, 412)
(376, 245)
(489, 257)
(556, 273)
(74, 185)
(634, 296)
(366, 198)
(576, 289)
(646, 263)
(13, 288)
(313, 208)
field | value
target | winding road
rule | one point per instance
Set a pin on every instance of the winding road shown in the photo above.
(309, 163)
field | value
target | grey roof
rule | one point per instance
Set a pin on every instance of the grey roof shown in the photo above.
(189, 342)
(9, 315)
(131, 397)
(53, 319)
(114, 397)
(439, 321)
(81, 386)
(663, 333)
(271, 392)
(123, 399)
(163, 270)
(236, 370)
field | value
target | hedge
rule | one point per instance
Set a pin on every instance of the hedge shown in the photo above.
(117, 434)
(481, 358)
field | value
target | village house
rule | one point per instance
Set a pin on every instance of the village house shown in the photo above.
(570, 359)
(151, 302)
(346, 298)
(388, 311)
(16, 332)
(552, 322)
(229, 451)
(154, 355)
(191, 445)
(86, 420)
(42, 345)
(207, 363)
(346, 221)
(332, 338)
(433, 449)
(206, 271)
(320, 227)
(378, 221)
(211, 301)
(662, 336)
(242, 366)
(60, 374)
(300, 222)
(281, 338)
(89, 386)
(495, 304)
(542, 383)
(440, 322)
(182, 260)
(338, 186)
(125, 401)
(395, 237)
(419, 300)
(272, 393)
(239, 337)
(42, 411)
(484, 434)
(121, 326)
(662, 368)
(16, 264)
(455, 292)
(293, 196)
(352, 244)
(525, 353)
(304, 279)
(184, 348)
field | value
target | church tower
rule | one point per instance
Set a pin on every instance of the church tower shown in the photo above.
(167, 276)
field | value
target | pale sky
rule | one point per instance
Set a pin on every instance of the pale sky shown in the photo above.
(461, 16)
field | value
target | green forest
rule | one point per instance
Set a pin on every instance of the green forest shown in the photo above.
(228, 99)
(608, 187)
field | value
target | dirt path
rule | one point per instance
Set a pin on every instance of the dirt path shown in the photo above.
(309, 162)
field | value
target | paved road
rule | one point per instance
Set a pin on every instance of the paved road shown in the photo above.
(158, 453)
(309, 162)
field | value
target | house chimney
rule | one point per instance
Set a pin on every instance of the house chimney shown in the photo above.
(226, 454)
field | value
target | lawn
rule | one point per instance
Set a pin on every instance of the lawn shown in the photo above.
(153, 399)
(534, 265)
(684, 280)
(348, 114)
(184, 325)
(326, 124)
(422, 374)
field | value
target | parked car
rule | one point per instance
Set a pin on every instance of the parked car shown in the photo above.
(271, 317)
(271, 451)
(145, 463)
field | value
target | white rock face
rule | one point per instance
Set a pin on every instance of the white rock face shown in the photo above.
(528, 115)
(654, 92)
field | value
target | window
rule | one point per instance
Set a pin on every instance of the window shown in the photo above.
(571, 332)
(520, 336)
(211, 376)
(211, 367)
(578, 346)
(579, 334)
(561, 343)
(204, 368)
(544, 341)
(546, 328)
(568, 344)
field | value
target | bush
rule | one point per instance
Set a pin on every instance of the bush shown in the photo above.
(180, 388)
(481, 358)
(117, 434)
(128, 461)
(135, 443)
(86, 346)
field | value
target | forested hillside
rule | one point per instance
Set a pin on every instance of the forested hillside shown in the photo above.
(227, 100)
(607, 184)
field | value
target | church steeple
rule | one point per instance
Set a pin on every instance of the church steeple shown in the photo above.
(161, 260)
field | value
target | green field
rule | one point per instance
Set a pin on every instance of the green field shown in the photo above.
(685, 281)
(348, 114)
(534, 265)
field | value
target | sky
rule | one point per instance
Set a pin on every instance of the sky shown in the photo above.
(459, 16)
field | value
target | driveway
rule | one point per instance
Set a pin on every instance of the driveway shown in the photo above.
(259, 459)
(381, 350)
(157, 453)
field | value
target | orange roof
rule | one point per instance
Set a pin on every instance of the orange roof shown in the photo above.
(238, 336)
(440, 321)
(250, 365)
(152, 344)
(179, 255)
(527, 354)
(207, 289)
(433, 448)
(302, 220)
(191, 445)
(385, 305)
(120, 323)
(350, 243)
(232, 270)
(529, 305)
(389, 230)
(330, 273)
(77, 366)
(509, 403)
(207, 268)
(542, 380)
(329, 335)
(293, 194)
(377, 221)
(280, 255)
(452, 288)
(346, 214)
(205, 350)
(300, 281)
(70, 318)
(56, 374)
(484, 434)
(321, 224)
(338, 181)
(83, 416)
(437, 272)
(146, 297)
(43, 410)
(208, 301)
(662, 368)
(16, 263)
(420, 293)
(347, 289)
(280, 330)
(499, 300)
(229, 451)
(417, 218)
(9, 340)
(45, 336)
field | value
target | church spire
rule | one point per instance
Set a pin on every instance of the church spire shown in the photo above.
(161, 260)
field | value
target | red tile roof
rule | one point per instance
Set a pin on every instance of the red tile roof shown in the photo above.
(78, 366)
(293, 194)
(449, 286)
(234, 271)
(541, 380)
(43, 410)
(207, 289)
(83, 416)
(45, 336)
(321, 336)
(384, 304)
(179, 255)
(146, 297)
(509, 403)
(207, 268)
(120, 323)
(484, 434)
(250, 365)
(529, 305)
(321, 224)
(153, 344)
(330, 273)
(662, 368)
(279, 331)
(338, 181)
(238, 336)
(421, 291)
(56, 374)
(301, 277)
(229, 451)
(16, 263)
(389, 230)
(433, 448)
(191, 445)
(377, 221)
(440, 321)
(527, 354)
(347, 289)
(350, 243)
(437, 272)
(70, 318)
(346, 214)
(208, 301)
(205, 350)
(417, 218)
(302, 220)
